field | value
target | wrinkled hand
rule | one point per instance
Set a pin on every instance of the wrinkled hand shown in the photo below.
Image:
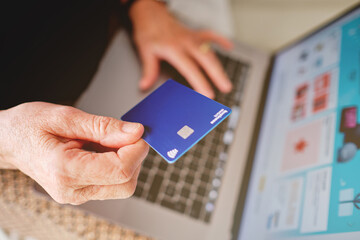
(158, 36)
(48, 142)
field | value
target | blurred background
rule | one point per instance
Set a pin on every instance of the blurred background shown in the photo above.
(269, 24)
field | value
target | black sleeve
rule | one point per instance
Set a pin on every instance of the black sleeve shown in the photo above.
(50, 50)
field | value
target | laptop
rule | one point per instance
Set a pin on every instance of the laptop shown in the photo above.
(283, 166)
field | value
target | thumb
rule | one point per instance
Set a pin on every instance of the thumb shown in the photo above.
(106, 131)
(150, 70)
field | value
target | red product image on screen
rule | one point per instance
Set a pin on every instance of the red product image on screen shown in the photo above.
(302, 147)
(321, 92)
(299, 108)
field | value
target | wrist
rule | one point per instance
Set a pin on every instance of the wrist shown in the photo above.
(5, 156)
(139, 6)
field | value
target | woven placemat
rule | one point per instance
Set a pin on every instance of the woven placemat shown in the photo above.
(32, 215)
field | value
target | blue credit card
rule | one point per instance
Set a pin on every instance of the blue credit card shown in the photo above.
(175, 118)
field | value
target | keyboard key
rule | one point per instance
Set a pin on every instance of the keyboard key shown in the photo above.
(212, 152)
(155, 187)
(223, 156)
(209, 207)
(170, 190)
(222, 58)
(180, 207)
(219, 172)
(138, 191)
(228, 137)
(179, 163)
(196, 209)
(216, 182)
(189, 179)
(216, 141)
(193, 166)
(174, 177)
(201, 191)
(205, 178)
(226, 149)
(231, 68)
(236, 75)
(209, 164)
(163, 165)
(142, 177)
(201, 144)
(197, 154)
(234, 117)
(207, 217)
(167, 204)
(147, 163)
(185, 192)
(213, 194)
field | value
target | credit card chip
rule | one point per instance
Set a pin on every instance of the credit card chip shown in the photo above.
(185, 132)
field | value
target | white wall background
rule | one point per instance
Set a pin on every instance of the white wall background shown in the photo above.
(269, 24)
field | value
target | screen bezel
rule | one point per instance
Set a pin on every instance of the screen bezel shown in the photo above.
(238, 215)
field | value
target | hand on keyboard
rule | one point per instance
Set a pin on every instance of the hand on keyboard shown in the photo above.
(158, 36)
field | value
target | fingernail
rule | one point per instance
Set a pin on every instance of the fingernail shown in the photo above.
(228, 87)
(129, 127)
(210, 95)
(143, 85)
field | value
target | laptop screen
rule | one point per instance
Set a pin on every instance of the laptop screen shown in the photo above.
(305, 179)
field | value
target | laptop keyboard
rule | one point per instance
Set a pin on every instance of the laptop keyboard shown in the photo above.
(191, 185)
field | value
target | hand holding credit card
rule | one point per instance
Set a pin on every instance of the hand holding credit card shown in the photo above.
(175, 118)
